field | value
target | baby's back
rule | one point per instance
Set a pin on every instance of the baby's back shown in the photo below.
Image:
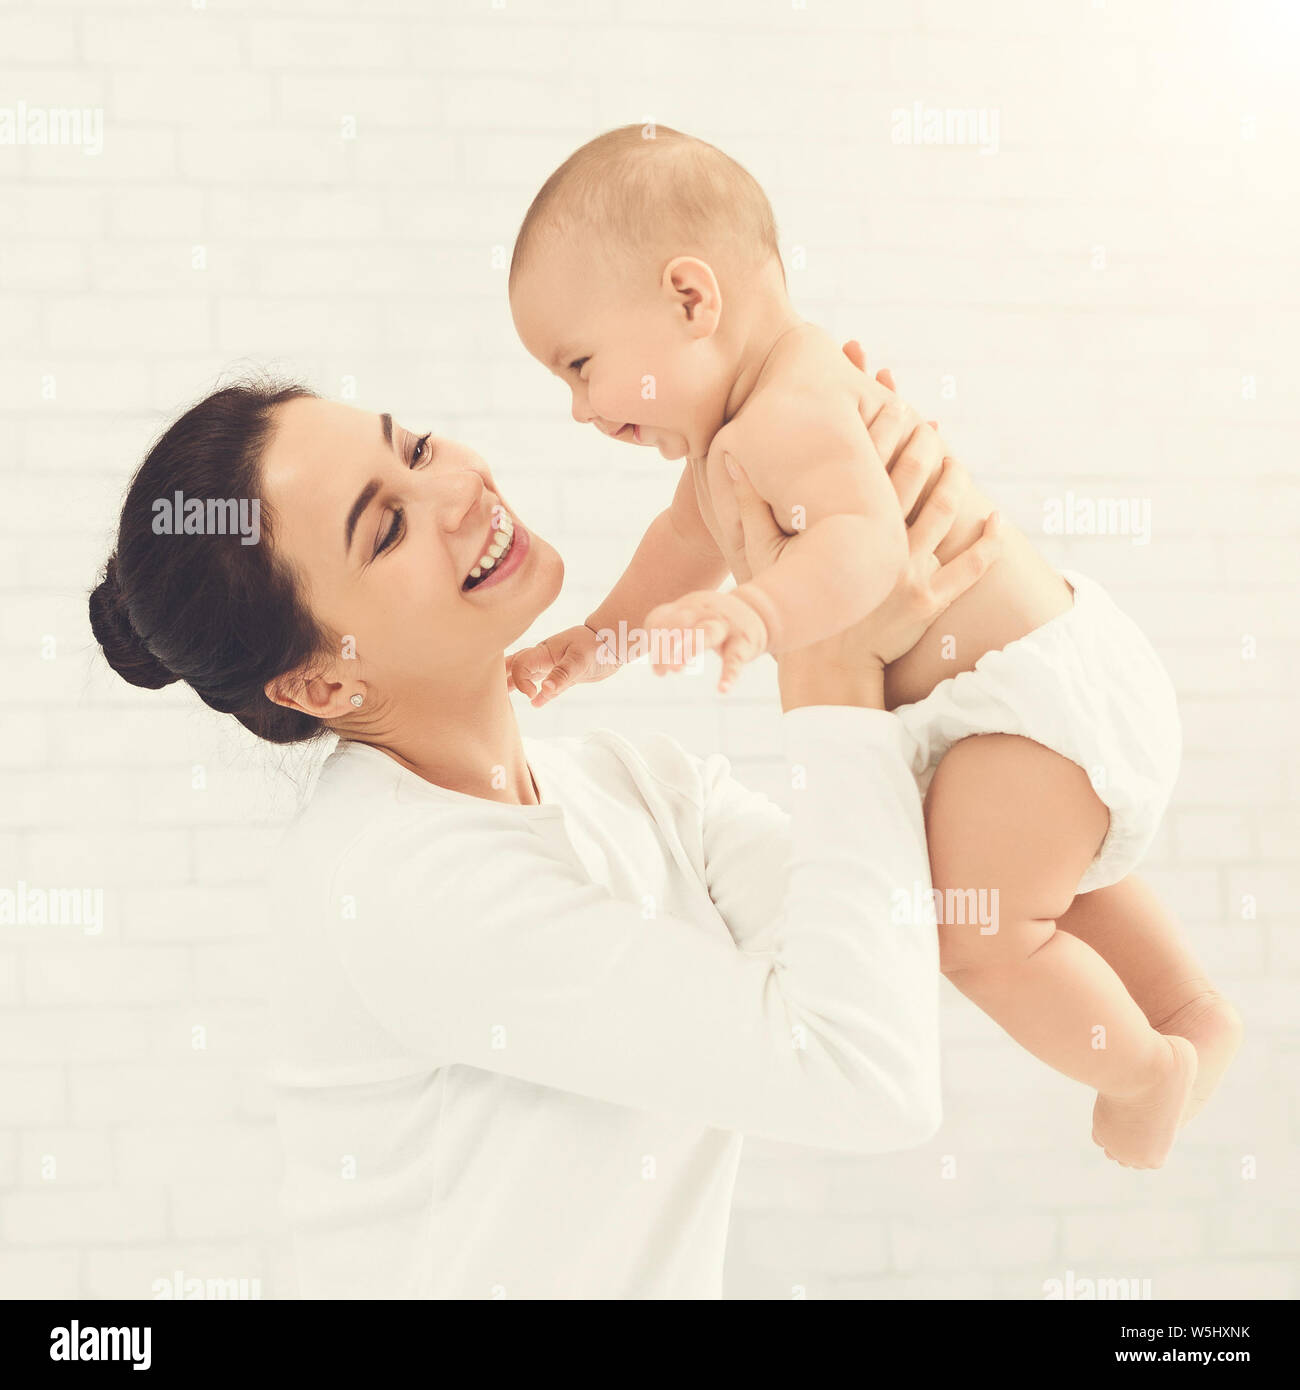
(1019, 593)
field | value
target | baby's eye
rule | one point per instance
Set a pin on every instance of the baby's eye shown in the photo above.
(578, 363)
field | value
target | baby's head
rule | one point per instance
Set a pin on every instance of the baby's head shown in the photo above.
(622, 270)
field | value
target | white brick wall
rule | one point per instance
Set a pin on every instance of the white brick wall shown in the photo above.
(1107, 304)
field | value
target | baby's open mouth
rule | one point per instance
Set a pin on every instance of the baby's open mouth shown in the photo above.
(499, 546)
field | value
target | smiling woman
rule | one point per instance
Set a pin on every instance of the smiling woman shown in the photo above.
(231, 618)
(528, 996)
(406, 544)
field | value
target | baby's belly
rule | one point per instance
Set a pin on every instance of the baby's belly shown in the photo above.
(1021, 592)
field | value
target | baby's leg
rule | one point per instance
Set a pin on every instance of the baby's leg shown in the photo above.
(1008, 814)
(1127, 925)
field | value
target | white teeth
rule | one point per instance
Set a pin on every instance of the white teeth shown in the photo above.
(502, 539)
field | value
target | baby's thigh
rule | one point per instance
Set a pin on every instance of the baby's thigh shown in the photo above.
(1008, 818)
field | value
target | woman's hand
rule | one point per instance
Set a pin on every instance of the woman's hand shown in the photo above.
(883, 396)
(926, 587)
(849, 668)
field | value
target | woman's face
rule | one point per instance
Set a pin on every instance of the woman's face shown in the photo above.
(389, 531)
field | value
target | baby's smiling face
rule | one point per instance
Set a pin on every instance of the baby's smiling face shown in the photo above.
(639, 351)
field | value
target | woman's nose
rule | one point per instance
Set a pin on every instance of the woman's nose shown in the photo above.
(456, 495)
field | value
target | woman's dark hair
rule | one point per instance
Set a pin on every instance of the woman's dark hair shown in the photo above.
(205, 607)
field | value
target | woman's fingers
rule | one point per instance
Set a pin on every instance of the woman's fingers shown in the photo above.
(952, 580)
(763, 537)
(853, 351)
(914, 466)
(936, 517)
(888, 429)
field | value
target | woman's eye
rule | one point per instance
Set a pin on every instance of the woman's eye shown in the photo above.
(420, 454)
(394, 531)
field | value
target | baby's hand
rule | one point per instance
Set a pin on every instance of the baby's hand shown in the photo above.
(723, 622)
(568, 658)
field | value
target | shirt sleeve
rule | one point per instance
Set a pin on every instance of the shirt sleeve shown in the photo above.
(499, 953)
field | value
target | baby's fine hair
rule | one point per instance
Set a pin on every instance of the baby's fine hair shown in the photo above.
(647, 187)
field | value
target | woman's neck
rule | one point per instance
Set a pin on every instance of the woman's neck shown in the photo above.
(465, 737)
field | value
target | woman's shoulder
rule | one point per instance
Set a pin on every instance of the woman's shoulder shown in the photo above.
(357, 796)
(643, 756)
(364, 811)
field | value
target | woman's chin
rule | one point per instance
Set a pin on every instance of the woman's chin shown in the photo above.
(545, 580)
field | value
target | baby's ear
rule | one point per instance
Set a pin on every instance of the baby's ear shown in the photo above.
(693, 288)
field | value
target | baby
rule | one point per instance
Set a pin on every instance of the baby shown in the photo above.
(1042, 728)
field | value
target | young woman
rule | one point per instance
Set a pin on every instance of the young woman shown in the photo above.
(530, 995)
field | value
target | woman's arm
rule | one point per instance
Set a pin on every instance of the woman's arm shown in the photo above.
(489, 947)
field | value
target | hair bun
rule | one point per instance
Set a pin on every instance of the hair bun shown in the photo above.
(121, 643)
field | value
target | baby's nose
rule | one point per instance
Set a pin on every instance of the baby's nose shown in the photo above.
(581, 410)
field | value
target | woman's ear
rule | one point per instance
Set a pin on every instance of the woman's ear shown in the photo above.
(693, 288)
(314, 695)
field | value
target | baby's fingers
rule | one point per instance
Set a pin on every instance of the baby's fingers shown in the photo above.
(676, 646)
(527, 667)
(568, 669)
(735, 653)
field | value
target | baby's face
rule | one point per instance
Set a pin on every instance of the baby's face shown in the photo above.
(624, 348)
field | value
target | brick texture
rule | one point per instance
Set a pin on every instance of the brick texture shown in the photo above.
(1099, 297)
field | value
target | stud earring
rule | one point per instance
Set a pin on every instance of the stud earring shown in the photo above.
(358, 699)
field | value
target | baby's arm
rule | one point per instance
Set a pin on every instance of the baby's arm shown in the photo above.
(812, 460)
(676, 554)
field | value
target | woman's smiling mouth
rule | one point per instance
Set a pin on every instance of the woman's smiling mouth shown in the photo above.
(504, 553)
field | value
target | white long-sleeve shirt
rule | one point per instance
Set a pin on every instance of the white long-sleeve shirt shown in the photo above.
(519, 1046)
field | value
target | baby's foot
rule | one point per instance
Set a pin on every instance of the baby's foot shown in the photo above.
(1137, 1129)
(1214, 1028)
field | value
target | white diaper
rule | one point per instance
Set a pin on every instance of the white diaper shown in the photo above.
(1087, 685)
